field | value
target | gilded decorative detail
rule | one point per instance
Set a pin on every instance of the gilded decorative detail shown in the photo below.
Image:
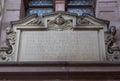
(59, 23)
(112, 49)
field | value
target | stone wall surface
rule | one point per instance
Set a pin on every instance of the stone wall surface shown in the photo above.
(110, 10)
(11, 9)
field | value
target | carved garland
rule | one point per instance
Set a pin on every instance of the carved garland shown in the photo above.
(6, 50)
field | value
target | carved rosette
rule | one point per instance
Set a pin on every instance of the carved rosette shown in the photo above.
(112, 49)
(6, 50)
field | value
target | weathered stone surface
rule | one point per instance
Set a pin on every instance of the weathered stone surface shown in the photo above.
(57, 38)
(59, 46)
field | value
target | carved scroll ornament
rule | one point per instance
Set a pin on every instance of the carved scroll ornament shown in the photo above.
(6, 50)
(112, 49)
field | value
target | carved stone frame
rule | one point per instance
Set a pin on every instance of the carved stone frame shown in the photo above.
(85, 22)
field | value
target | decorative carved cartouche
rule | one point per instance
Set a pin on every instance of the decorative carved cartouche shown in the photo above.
(112, 49)
(6, 49)
(59, 23)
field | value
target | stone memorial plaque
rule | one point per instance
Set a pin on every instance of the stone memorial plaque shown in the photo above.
(57, 36)
(65, 45)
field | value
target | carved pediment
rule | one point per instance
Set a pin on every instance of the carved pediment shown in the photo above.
(30, 20)
(84, 22)
(87, 19)
(60, 19)
(67, 19)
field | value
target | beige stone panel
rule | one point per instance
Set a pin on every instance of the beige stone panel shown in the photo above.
(59, 46)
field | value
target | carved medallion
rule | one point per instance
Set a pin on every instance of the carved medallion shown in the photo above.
(59, 23)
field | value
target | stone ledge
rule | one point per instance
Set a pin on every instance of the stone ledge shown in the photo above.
(60, 71)
(59, 67)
